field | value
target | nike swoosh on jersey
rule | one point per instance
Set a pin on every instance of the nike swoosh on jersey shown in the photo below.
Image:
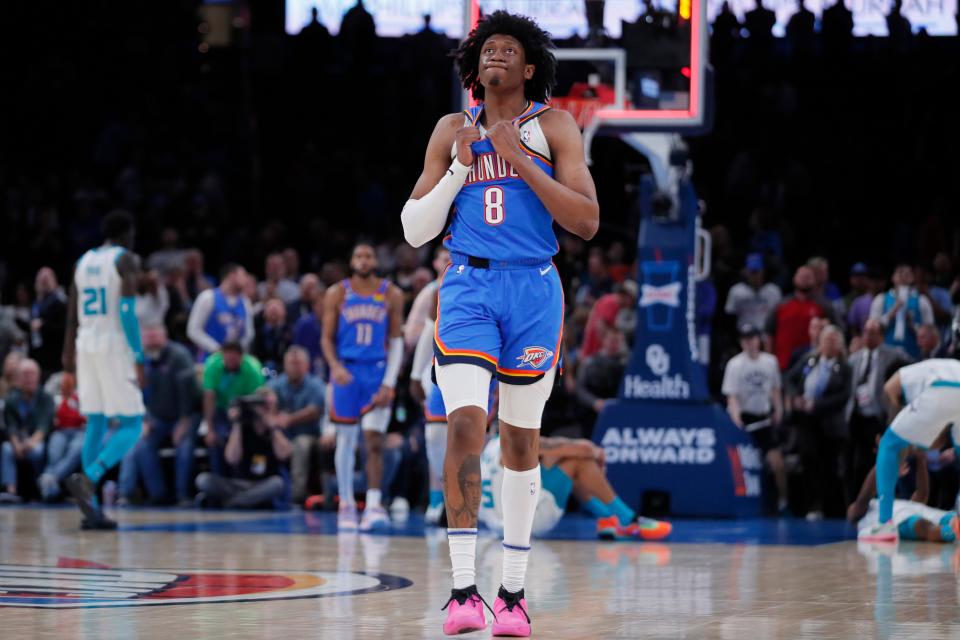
(545, 271)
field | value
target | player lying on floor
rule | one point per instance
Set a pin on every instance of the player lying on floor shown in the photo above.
(567, 466)
(914, 520)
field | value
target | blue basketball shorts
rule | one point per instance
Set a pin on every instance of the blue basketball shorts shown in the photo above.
(351, 401)
(437, 412)
(507, 319)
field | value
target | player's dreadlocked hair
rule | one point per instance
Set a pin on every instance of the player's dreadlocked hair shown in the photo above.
(537, 49)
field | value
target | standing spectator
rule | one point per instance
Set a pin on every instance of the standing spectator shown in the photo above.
(821, 273)
(257, 449)
(48, 321)
(597, 280)
(227, 375)
(300, 400)
(272, 335)
(939, 298)
(277, 283)
(598, 377)
(816, 326)
(153, 300)
(10, 334)
(65, 444)
(196, 280)
(819, 387)
(222, 315)
(307, 333)
(787, 327)
(603, 316)
(169, 397)
(752, 300)
(857, 302)
(310, 291)
(901, 310)
(28, 416)
(751, 383)
(170, 255)
(8, 379)
(928, 341)
(291, 262)
(868, 412)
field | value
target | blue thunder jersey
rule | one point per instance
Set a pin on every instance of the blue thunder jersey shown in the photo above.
(497, 215)
(227, 322)
(362, 325)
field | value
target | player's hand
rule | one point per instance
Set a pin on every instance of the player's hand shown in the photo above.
(466, 136)
(505, 137)
(383, 397)
(141, 376)
(416, 391)
(340, 375)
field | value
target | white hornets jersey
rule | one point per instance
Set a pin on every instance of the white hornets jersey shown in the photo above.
(915, 378)
(98, 301)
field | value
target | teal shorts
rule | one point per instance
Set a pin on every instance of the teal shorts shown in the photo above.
(554, 480)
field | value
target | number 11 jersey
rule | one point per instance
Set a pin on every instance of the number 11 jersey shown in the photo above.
(362, 326)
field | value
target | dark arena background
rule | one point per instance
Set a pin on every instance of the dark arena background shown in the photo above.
(759, 339)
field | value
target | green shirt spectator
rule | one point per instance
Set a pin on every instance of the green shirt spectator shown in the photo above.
(228, 380)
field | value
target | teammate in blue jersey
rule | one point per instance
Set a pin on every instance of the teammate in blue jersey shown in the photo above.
(103, 346)
(503, 172)
(362, 343)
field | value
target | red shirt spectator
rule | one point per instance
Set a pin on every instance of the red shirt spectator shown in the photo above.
(789, 325)
(68, 414)
(604, 315)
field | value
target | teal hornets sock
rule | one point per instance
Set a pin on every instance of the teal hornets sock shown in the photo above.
(907, 528)
(596, 508)
(624, 513)
(888, 469)
(436, 497)
(946, 531)
(93, 438)
(116, 448)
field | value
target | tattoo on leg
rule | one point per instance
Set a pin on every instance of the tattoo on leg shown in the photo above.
(464, 514)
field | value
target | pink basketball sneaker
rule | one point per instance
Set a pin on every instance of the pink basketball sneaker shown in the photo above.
(464, 611)
(510, 615)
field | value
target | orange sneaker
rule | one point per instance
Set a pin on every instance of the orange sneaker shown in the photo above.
(640, 529)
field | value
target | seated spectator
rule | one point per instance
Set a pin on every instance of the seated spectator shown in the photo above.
(8, 379)
(27, 416)
(751, 383)
(48, 321)
(598, 377)
(272, 335)
(819, 387)
(821, 273)
(222, 315)
(310, 291)
(928, 341)
(901, 310)
(752, 300)
(169, 397)
(66, 442)
(277, 282)
(256, 449)
(197, 281)
(788, 326)
(300, 400)
(857, 302)
(227, 375)
(307, 333)
(603, 315)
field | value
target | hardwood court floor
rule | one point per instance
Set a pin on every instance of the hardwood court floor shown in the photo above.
(279, 576)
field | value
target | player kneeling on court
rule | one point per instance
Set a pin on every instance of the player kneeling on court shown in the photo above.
(929, 394)
(567, 466)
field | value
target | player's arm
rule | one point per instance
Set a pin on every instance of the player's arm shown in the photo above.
(893, 393)
(733, 409)
(922, 490)
(858, 508)
(128, 266)
(331, 307)
(69, 355)
(570, 196)
(425, 213)
(197, 321)
(384, 396)
(233, 452)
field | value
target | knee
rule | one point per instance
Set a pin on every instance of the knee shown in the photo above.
(464, 431)
(7, 449)
(520, 448)
(775, 460)
(203, 481)
(374, 442)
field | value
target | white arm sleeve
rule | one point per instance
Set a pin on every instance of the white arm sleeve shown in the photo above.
(394, 360)
(199, 314)
(423, 219)
(424, 351)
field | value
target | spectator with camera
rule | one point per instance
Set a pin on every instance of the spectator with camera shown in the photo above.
(901, 310)
(257, 450)
(169, 397)
(28, 416)
(300, 400)
(751, 383)
(227, 375)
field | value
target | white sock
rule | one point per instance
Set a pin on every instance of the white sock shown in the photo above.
(521, 490)
(344, 459)
(463, 556)
(373, 498)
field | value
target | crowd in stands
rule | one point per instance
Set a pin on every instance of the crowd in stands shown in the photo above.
(248, 205)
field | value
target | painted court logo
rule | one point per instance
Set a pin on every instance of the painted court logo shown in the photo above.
(536, 357)
(75, 584)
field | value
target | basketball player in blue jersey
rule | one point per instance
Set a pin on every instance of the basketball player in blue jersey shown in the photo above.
(362, 327)
(503, 172)
(103, 346)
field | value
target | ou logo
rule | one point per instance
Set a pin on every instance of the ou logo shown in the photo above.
(658, 359)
